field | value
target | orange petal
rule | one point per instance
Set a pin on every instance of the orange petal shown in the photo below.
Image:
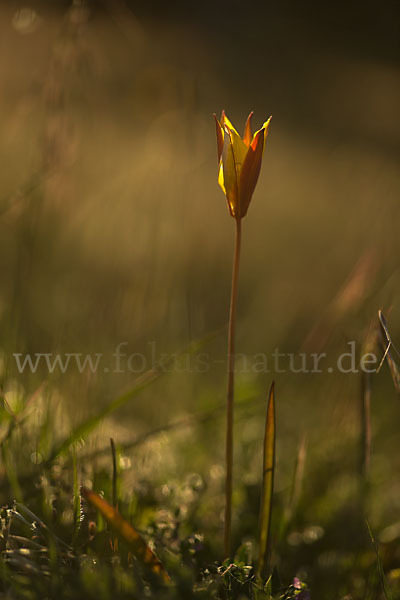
(220, 137)
(265, 127)
(251, 170)
(248, 136)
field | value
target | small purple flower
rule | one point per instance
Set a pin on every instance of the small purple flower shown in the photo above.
(301, 592)
(297, 583)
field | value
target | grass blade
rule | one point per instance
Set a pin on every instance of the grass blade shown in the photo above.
(381, 573)
(387, 345)
(267, 485)
(297, 482)
(92, 422)
(140, 384)
(127, 533)
(115, 473)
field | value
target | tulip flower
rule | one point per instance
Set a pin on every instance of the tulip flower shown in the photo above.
(239, 162)
(239, 165)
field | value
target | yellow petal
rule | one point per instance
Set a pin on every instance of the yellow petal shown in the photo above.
(233, 156)
(221, 177)
(248, 136)
(225, 121)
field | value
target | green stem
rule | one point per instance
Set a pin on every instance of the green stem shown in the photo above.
(230, 391)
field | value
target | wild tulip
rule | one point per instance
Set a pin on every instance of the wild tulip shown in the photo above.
(239, 165)
(239, 162)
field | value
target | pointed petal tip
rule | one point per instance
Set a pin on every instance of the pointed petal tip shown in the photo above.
(220, 137)
(248, 136)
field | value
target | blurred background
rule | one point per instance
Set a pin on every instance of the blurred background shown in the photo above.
(113, 229)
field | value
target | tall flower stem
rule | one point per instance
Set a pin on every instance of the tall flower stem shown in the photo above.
(230, 390)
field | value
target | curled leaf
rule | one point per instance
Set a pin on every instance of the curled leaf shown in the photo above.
(127, 533)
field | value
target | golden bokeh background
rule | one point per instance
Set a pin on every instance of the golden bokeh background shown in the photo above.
(113, 227)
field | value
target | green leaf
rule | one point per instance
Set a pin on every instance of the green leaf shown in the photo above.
(267, 485)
